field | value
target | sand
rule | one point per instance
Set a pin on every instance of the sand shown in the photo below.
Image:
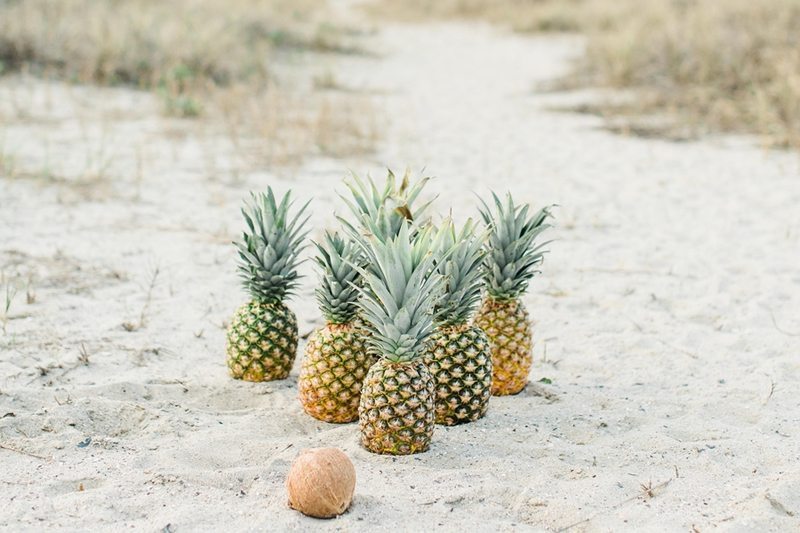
(664, 390)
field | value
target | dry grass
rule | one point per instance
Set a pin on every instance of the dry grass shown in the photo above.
(279, 127)
(149, 43)
(730, 65)
(221, 60)
(521, 15)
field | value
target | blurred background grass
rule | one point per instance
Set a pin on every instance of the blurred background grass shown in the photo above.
(719, 65)
(180, 47)
(224, 60)
(707, 65)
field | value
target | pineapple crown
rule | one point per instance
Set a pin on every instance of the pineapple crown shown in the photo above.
(270, 246)
(337, 294)
(461, 269)
(388, 208)
(401, 289)
(512, 252)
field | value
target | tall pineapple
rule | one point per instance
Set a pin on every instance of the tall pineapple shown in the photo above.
(511, 261)
(458, 353)
(396, 412)
(336, 358)
(262, 337)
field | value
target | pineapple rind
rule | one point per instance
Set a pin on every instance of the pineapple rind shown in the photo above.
(262, 341)
(333, 371)
(460, 360)
(396, 412)
(508, 326)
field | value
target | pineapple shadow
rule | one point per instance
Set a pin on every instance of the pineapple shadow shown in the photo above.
(539, 391)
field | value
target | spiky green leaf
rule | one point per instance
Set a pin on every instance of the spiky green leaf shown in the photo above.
(336, 294)
(461, 258)
(513, 253)
(270, 247)
(401, 289)
(383, 211)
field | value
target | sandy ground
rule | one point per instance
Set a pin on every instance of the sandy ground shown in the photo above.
(666, 316)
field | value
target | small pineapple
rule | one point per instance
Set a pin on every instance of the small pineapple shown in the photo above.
(512, 257)
(396, 412)
(262, 338)
(458, 353)
(336, 358)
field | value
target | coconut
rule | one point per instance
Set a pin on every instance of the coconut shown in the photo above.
(321, 482)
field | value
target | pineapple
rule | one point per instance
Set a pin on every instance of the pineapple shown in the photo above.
(396, 412)
(512, 257)
(262, 338)
(458, 353)
(336, 358)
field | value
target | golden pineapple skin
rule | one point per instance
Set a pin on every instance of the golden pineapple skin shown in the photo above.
(335, 364)
(460, 359)
(396, 413)
(508, 326)
(261, 342)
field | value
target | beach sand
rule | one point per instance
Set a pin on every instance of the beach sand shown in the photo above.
(667, 316)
